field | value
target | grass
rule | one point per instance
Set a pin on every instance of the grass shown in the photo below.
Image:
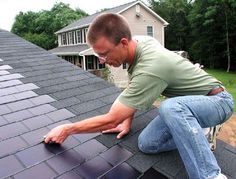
(228, 80)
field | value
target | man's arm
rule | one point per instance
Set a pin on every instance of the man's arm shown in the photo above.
(122, 128)
(117, 114)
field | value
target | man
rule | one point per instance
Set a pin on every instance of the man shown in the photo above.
(196, 99)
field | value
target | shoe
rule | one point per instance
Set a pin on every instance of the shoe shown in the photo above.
(221, 176)
(211, 133)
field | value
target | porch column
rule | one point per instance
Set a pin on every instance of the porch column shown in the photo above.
(84, 64)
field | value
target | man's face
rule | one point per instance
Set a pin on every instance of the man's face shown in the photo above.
(107, 52)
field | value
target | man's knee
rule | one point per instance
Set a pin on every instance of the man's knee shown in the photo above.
(142, 143)
(146, 146)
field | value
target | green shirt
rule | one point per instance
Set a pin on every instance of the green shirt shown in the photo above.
(157, 70)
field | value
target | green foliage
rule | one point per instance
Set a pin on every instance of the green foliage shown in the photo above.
(206, 29)
(174, 12)
(42, 40)
(217, 20)
(39, 27)
(24, 22)
(107, 75)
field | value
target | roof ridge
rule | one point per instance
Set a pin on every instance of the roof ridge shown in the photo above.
(67, 28)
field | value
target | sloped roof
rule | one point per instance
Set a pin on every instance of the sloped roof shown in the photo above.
(39, 91)
(84, 22)
(71, 50)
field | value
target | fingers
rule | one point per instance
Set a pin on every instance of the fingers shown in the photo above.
(122, 134)
(46, 139)
(114, 130)
(51, 140)
(57, 134)
(119, 129)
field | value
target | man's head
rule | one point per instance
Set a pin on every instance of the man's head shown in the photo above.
(109, 36)
(112, 26)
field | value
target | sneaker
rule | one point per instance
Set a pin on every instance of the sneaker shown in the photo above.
(211, 134)
(221, 176)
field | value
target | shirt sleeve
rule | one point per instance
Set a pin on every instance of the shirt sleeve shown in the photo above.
(142, 91)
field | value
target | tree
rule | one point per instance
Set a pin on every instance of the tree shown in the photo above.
(206, 29)
(212, 24)
(24, 22)
(39, 27)
(175, 12)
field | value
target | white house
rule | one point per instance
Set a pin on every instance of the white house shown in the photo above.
(72, 38)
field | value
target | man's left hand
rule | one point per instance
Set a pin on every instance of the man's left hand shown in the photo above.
(122, 129)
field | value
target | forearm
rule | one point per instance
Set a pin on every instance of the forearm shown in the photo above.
(117, 114)
(94, 124)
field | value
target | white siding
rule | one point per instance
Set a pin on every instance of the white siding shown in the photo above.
(139, 23)
(120, 76)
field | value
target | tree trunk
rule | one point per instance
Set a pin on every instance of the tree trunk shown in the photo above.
(227, 39)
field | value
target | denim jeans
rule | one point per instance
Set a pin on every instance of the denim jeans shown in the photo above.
(179, 125)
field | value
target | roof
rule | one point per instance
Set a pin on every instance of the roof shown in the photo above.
(39, 91)
(84, 22)
(71, 50)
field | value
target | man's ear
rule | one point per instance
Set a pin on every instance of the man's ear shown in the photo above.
(124, 42)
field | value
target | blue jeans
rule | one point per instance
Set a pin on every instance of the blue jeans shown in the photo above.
(179, 125)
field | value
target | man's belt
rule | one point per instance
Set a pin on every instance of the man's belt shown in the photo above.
(215, 91)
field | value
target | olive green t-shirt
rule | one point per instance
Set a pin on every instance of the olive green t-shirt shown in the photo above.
(156, 71)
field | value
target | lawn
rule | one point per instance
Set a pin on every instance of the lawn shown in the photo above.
(228, 79)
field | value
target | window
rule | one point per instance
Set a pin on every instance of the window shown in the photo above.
(79, 36)
(150, 31)
(92, 63)
(98, 65)
(125, 65)
(63, 39)
(71, 38)
(101, 66)
(89, 62)
(85, 31)
(71, 59)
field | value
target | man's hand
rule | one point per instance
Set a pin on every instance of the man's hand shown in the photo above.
(118, 114)
(122, 129)
(58, 134)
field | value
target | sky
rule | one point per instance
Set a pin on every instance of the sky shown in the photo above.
(10, 8)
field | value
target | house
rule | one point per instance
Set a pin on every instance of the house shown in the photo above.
(39, 91)
(72, 38)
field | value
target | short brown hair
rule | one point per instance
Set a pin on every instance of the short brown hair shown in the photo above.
(112, 26)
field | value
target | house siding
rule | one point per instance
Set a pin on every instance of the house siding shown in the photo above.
(119, 76)
(139, 23)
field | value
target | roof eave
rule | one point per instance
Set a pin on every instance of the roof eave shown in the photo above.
(74, 28)
(65, 53)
